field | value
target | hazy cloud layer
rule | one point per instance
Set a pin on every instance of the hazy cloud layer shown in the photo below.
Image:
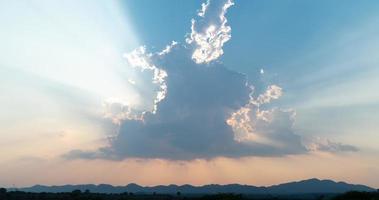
(201, 108)
(330, 146)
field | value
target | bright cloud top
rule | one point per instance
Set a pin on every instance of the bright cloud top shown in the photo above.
(210, 32)
(201, 109)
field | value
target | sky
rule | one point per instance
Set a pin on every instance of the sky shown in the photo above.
(188, 92)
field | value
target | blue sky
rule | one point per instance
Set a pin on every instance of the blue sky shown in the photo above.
(87, 82)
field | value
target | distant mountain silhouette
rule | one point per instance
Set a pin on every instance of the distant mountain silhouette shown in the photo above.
(300, 187)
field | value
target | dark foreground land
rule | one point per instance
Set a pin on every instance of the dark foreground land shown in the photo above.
(78, 195)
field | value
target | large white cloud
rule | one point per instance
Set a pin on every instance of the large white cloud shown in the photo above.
(201, 109)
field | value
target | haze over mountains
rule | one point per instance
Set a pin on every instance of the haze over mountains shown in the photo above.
(300, 187)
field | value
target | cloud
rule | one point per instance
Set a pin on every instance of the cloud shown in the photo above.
(326, 145)
(272, 92)
(191, 121)
(141, 60)
(273, 127)
(201, 109)
(210, 32)
(204, 7)
(118, 109)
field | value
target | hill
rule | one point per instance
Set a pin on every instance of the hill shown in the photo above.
(310, 186)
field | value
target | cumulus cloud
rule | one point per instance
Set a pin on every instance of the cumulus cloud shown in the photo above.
(119, 110)
(272, 127)
(201, 109)
(272, 92)
(140, 59)
(210, 32)
(191, 121)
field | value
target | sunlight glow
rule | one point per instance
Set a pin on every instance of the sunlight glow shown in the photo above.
(78, 43)
(59, 64)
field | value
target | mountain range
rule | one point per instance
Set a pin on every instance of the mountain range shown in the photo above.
(300, 187)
